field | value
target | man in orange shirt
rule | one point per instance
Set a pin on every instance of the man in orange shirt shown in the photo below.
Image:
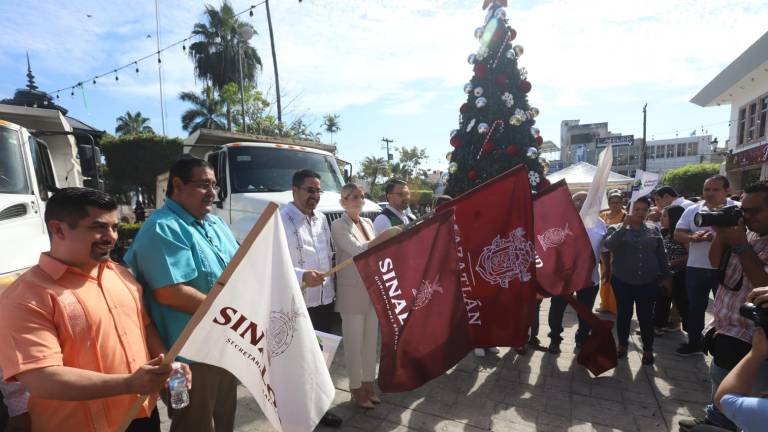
(73, 329)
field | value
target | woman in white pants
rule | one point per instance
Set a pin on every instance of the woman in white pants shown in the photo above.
(352, 235)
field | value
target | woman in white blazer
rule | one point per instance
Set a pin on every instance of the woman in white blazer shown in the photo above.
(351, 236)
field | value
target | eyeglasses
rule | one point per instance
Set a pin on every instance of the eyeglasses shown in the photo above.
(205, 186)
(311, 190)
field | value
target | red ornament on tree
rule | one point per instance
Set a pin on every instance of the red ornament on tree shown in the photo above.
(511, 149)
(539, 140)
(472, 175)
(487, 148)
(481, 70)
(464, 108)
(524, 86)
(512, 34)
(501, 80)
(456, 141)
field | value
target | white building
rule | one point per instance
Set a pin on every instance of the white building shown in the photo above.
(744, 86)
(667, 154)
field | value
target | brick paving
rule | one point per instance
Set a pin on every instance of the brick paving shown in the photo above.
(534, 392)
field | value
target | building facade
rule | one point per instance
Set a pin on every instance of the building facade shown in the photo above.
(664, 155)
(744, 86)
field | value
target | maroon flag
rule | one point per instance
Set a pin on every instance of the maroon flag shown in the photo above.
(414, 287)
(566, 261)
(494, 224)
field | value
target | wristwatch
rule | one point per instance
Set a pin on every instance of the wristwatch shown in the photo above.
(740, 249)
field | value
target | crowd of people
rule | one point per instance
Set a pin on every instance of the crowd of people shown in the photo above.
(81, 335)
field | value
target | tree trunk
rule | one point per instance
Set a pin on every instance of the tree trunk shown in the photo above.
(229, 117)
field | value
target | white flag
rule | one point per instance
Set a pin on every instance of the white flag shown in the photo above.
(596, 197)
(258, 328)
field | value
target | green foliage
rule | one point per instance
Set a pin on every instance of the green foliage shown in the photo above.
(421, 197)
(373, 168)
(135, 161)
(331, 124)
(125, 235)
(133, 124)
(497, 74)
(689, 180)
(207, 110)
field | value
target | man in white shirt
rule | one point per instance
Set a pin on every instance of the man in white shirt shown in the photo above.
(394, 214)
(701, 277)
(585, 296)
(309, 242)
(666, 196)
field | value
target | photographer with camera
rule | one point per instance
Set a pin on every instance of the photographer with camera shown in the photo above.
(733, 396)
(741, 247)
(701, 276)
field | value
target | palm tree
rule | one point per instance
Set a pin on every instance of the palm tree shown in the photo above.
(331, 124)
(207, 110)
(132, 124)
(374, 167)
(215, 53)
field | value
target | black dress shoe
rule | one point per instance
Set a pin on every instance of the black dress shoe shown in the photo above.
(331, 420)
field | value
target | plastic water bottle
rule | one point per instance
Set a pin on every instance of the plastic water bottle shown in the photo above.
(177, 387)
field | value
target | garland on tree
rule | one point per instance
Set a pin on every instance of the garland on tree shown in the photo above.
(496, 130)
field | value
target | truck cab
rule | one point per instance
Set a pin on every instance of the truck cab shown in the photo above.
(252, 174)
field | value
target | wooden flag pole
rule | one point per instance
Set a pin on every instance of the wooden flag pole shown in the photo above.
(206, 305)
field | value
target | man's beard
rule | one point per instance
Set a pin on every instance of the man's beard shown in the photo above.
(310, 203)
(97, 255)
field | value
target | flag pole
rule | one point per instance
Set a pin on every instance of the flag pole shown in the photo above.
(269, 211)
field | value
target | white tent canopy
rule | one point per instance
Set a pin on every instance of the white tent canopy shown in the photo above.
(580, 175)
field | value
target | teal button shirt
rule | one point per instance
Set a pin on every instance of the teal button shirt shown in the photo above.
(172, 247)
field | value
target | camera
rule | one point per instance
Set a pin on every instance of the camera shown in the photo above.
(725, 217)
(756, 314)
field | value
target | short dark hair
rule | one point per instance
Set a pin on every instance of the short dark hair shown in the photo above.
(182, 169)
(666, 191)
(70, 205)
(759, 187)
(645, 200)
(722, 178)
(301, 175)
(392, 184)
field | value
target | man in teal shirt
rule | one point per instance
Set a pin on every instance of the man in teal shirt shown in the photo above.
(177, 256)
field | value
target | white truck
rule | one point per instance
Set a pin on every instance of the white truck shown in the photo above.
(38, 154)
(251, 174)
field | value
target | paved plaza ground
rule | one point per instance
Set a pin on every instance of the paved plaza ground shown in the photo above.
(534, 392)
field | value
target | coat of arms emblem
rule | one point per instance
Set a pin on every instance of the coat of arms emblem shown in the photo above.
(423, 294)
(507, 258)
(282, 326)
(554, 237)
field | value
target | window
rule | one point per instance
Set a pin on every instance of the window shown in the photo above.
(621, 157)
(670, 150)
(582, 138)
(762, 117)
(650, 152)
(742, 124)
(13, 176)
(680, 149)
(693, 149)
(751, 121)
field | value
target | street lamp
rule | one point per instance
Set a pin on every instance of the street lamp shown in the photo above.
(245, 34)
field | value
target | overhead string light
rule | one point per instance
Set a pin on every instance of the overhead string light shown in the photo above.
(183, 43)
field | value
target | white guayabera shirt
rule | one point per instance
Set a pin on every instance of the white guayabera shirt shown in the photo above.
(309, 242)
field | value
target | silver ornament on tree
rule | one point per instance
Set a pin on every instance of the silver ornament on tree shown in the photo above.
(483, 128)
(481, 102)
(515, 120)
(535, 131)
(511, 54)
(544, 165)
(472, 58)
(532, 153)
(478, 91)
(453, 167)
(448, 156)
(468, 88)
(478, 32)
(500, 13)
(535, 111)
(518, 50)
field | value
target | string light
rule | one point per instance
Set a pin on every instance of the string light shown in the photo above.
(136, 62)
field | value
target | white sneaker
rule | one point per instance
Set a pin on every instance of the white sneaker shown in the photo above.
(479, 352)
(493, 350)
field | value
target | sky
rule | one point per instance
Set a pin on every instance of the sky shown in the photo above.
(395, 68)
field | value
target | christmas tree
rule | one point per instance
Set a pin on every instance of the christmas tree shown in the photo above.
(496, 130)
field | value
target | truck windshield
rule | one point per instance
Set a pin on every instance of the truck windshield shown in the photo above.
(259, 169)
(13, 178)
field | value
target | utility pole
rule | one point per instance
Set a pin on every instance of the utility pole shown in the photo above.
(388, 141)
(274, 64)
(642, 149)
